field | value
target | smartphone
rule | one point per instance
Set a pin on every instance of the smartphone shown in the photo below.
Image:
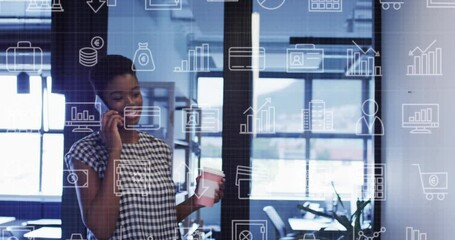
(100, 105)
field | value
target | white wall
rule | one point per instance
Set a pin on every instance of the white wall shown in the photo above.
(416, 25)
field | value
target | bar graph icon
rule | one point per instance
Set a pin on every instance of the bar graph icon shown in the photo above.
(83, 116)
(361, 62)
(413, 234)
(261, 120)
(198, 60)
(426, 62)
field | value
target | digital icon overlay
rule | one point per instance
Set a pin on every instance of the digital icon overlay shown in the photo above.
(260, 120)
(88, 56)
(143, 58)
(24, 57)
(249, 229)
(150, 117)
(420, 117)
(200, 119)
(434, 183)
(40, 5)
(325, 5)
(198, 60)
(316, 118)
(364, 127)
(361, 62)
(305, 58)
(163, 5)
(426, 62)
(238, 54)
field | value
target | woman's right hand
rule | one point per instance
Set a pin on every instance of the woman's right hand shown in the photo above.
(110, 133)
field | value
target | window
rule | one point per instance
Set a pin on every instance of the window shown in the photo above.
(31, 126)
(32, 137)
(315, 106)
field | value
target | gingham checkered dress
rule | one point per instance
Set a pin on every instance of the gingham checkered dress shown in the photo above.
(147, 192)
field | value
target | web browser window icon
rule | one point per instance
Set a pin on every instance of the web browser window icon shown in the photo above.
(441, 3)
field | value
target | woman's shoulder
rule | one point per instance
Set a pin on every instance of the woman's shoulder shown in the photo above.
(90, 141)
(87, 149)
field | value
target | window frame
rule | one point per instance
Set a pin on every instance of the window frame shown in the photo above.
(42, 131)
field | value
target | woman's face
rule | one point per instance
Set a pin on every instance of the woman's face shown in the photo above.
(121, 92)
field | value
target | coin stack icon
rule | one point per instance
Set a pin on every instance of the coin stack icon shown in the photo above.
(88, 56)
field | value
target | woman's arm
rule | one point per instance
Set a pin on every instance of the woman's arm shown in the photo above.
(98, 203)
(187, 207)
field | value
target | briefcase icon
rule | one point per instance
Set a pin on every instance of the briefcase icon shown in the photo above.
(305, 58)
(24, 57)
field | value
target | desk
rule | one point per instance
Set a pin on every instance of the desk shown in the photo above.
(301, 224)
(45, 233)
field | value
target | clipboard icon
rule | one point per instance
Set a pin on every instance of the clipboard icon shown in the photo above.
(305, 58)
(163, 4)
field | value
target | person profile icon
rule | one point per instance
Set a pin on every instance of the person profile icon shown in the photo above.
(193, 119)
(364, 126)
(297, 59)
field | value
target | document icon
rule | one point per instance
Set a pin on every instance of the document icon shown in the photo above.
(244, 176)
(163, 4)
(200, 119)
(305, 58)
(150, 117)
(239, 56)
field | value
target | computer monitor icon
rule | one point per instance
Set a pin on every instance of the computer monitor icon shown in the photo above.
(420, 117)
(83, 116)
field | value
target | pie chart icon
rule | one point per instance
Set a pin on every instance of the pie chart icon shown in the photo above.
(271, 4)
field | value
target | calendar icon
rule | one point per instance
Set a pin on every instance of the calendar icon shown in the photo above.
(325, 5)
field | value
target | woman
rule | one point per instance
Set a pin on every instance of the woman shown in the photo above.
(151, 214)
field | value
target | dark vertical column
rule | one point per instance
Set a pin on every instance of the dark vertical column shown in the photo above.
(72, 30)
(237, 98)
(377, 45)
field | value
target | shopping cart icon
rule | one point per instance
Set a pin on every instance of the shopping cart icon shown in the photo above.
(434, 183)
(387, 5)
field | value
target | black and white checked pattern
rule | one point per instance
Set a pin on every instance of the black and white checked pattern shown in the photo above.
(146, 189)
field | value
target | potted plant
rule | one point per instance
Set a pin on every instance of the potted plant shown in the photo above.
(352, 223)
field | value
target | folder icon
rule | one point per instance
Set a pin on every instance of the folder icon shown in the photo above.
(305, 58)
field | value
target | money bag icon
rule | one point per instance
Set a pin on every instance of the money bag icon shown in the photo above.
(143, 59)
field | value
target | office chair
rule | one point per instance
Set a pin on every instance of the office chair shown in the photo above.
(280, 227)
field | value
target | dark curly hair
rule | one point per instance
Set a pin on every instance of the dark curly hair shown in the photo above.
(107, 69)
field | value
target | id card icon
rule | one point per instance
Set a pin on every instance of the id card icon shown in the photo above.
(163, 4)
(305, 58)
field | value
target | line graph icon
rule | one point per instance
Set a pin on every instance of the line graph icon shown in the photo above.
(425, 62)
(415, 234)
(261, 120)
(198, 60)
(440, 4)
(361, 62)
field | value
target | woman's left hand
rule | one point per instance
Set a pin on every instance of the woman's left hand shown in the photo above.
(219, 193)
